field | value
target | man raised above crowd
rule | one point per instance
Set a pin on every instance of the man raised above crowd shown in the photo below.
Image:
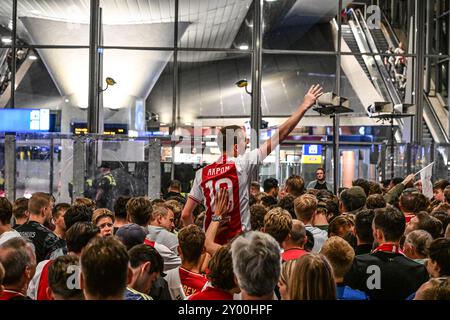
(233, 171)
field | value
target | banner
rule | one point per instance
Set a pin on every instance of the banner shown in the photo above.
(425, 177)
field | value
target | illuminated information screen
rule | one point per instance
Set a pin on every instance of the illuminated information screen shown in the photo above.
(110, 128)
(24, 120)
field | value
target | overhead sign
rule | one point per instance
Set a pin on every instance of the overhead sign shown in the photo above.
(109, 128)
(312, 149)
(312, 154)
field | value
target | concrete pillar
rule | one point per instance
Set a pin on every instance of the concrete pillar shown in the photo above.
(154, 169)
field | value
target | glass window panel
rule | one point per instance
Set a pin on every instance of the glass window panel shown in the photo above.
(300, 25)
(55, 79)
(50, 22)
(146, 23)
(208, 89)
(215, 24)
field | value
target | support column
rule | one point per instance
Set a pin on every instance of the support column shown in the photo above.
(255, 118)
(175, 92)
(79, 167)
(154, 169)
(448, 82)
(336, 119)
(428, 41)
(419, 84)
(95, 107)
(10, 166)
(13, 70)
(95, 118)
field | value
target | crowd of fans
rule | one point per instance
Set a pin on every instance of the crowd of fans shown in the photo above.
(231, 240)
(370, 242)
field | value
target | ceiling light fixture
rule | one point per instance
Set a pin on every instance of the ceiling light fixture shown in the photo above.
(6, 40)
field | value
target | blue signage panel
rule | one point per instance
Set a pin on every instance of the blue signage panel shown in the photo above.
(312, 150)
(24, 120)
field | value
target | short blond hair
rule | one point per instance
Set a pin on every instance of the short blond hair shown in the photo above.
(101, 213)
(339, 253)
(278, 223)
(305, 206)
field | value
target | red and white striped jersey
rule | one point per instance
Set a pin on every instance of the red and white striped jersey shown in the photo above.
(233, 174)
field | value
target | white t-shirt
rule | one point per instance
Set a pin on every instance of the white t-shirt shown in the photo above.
(5, 236)
(235, 175)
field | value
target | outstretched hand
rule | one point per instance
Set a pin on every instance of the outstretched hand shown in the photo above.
(313, 94)
(222, 202)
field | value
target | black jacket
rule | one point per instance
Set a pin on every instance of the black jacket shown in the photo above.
(399, 275)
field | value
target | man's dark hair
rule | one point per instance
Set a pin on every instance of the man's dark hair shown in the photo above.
(337, 224)
(139, 210)
(175, 184)
(20, 206)
(441, 184)
(269, 184)
(391, 222)
(6, 210)
(268, 201)
(79, 235)
(363, 183)
(58, 208)
(104, 264)
(143, 253)
(287, 203)
(443, 217)
(439, 251)
(257, 213)
(296, 185)
(375, 201)
(255, 184)
(363, 225)
(38, 201)
(77, 213)
(14, 260)
(320, 169)
(220, 268)
(374, 188)
(191, 240)
(422, 203)
(120, 207)
(59, 273)
(222, 137)
(430, 224)
(408, 200)
(353, 198)
(447, 194)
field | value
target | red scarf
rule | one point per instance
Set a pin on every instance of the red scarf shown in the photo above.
(9, 294)
(388, 247)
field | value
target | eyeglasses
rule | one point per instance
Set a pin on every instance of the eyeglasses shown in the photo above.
(106, 224)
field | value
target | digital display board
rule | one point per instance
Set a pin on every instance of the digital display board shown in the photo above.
(109, 128)
(24, 120)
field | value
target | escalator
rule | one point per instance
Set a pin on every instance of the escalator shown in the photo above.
(380, 40)
(350, 39)
(375, 40)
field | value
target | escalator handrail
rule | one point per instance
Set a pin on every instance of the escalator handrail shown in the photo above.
(391, 31)
(366, 49)
(428, 106)
(391, 89)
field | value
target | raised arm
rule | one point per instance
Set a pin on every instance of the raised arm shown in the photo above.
(222, 207)
(286, 128)
(187, 216)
